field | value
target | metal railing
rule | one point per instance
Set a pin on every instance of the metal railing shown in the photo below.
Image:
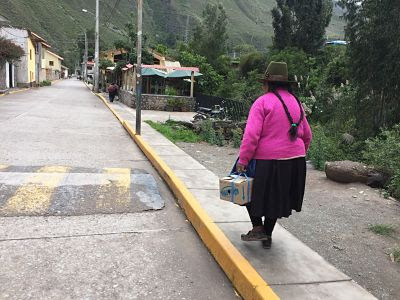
(234, 110)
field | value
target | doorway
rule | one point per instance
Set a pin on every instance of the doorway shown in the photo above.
(10, 75)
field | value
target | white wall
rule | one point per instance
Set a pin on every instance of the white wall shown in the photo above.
(18, 37)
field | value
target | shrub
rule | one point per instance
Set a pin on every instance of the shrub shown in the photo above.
(105, 63)
(170, 91)
(237, 137)
(208, 133)
(220, 138)
(175, 104)
(383, 152)
(45, 83)
(323, 148)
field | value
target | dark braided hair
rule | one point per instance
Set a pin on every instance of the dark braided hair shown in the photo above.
(293, 126)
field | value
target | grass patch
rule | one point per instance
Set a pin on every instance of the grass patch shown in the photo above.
(396, 255)
(175, 132)
(381, 229)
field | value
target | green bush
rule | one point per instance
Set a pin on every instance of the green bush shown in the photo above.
(323, 148)
(220, 138)
(237, 137)
(383, 152)
(170, 91)
(175, 104)
(45, 83)
(207, 132)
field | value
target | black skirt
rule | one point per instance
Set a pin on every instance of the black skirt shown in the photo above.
(278, 187)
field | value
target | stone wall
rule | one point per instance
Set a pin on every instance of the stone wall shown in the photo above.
(158, 102)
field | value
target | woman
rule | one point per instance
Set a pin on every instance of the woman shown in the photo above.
(112, 91)
(277, 136)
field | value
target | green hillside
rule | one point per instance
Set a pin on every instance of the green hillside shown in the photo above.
(60, 21)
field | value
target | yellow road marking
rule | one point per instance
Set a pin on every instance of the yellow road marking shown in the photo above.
(19, 91)
(35, 195)
(119, 188)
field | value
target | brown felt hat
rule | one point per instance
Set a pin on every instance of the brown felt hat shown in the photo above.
(276, 72)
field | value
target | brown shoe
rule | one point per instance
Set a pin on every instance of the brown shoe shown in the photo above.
(267, 243)
(254, 235)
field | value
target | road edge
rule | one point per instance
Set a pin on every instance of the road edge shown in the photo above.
(26, 89)
(240, 272)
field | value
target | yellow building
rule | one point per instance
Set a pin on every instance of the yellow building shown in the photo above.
(51, 65)
(112, 55)
(31, 62)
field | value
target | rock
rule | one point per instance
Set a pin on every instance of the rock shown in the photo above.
(350, 171)
(337, 247)
(377, 180)
(347, 171)
(188, 125)
(218, 124)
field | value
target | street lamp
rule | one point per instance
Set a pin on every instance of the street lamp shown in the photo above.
(96, 55)
(85, 77)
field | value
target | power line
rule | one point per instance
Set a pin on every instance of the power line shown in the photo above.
(107, 23)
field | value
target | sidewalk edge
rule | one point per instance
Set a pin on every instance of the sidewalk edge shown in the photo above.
(26, 89)
(240, 272)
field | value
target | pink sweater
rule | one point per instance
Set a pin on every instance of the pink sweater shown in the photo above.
(267, 131)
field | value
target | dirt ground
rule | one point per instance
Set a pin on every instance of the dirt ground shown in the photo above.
(334, 222)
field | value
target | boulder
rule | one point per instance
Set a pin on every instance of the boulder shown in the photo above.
(348, 171)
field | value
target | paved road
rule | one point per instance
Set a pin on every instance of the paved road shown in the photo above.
(83, 215)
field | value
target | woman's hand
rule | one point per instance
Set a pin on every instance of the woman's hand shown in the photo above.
(240, 168)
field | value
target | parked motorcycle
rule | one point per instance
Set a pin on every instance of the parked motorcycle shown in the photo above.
(216, 113)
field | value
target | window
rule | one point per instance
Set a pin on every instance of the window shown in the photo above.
(30, 54)
(51, 63)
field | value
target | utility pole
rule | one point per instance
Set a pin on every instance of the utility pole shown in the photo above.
(96, 60)
(139, 68)
(187, 30)
(85, 58)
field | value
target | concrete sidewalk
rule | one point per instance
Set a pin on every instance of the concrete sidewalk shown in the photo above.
(293, 270)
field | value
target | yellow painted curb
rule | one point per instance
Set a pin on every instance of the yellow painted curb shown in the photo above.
(110, 108)
(241, 273)
(14, 92)
(19, 91)
(27, 89)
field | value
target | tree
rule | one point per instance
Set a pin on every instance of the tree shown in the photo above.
(374, 50)
(105, 63)
(9, 51)
(162, 49)
(301, 24)
(128, 44)
(252, 61)
(210, 37)
(211, 80)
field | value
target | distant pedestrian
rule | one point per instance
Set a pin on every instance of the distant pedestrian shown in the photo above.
(277, 137)
(112, 91)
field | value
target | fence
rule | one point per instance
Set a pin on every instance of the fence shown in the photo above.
(234, 109)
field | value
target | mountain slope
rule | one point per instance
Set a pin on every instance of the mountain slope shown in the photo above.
(60, 21)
